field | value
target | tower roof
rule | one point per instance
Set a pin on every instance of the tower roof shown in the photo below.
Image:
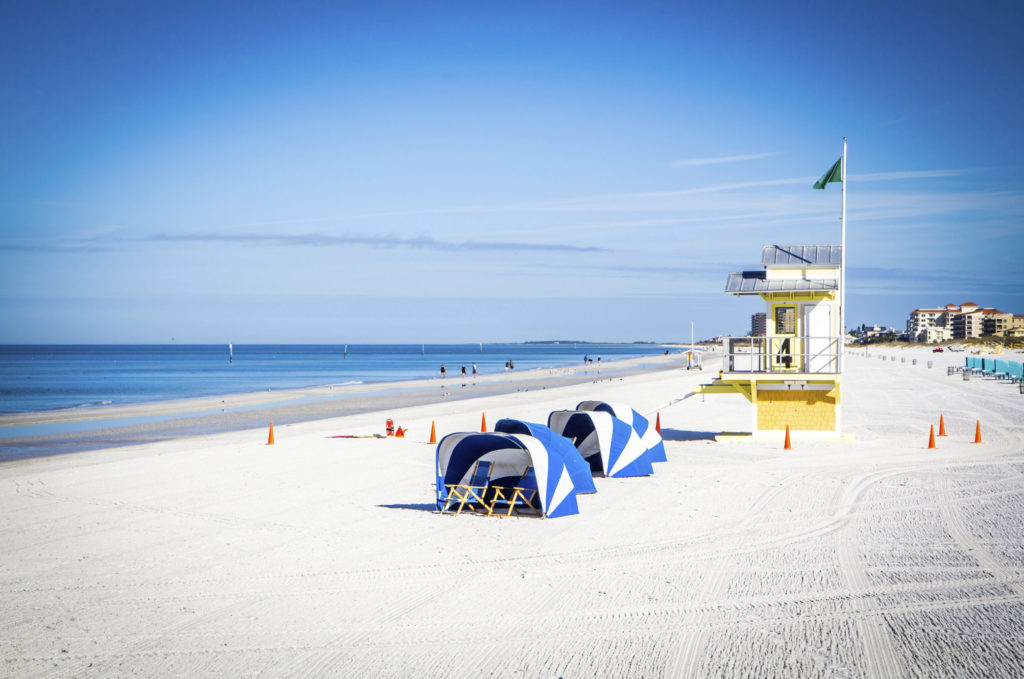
(801, 255)
(756, 282)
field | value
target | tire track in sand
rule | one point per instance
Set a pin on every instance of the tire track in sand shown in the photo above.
(879, 653)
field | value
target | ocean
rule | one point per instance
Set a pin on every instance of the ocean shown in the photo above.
(40, 378)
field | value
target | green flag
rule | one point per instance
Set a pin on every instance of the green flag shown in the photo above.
(834, 174)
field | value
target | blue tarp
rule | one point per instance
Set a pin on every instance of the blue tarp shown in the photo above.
(649, 436)
(610, 445)
(578, 468)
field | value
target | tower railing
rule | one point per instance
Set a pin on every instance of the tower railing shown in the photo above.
(781, 354)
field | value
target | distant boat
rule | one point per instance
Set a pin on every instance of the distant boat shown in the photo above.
(346, 351)
(231, 353)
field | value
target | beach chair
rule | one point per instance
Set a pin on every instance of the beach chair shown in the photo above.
(521, 495)
(1016, 371)
(1001, 370)
(472, 493)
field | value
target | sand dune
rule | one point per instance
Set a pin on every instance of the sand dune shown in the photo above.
(221, 555)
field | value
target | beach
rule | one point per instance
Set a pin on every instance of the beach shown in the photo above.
(214, 553)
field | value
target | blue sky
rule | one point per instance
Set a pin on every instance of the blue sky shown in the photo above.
(463, 172)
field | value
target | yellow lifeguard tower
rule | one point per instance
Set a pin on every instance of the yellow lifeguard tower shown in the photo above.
(791, 375)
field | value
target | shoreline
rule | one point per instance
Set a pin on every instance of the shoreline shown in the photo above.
(122, 425)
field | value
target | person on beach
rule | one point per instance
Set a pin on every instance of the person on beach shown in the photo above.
(506, 366)
(442, 371)
(463, 370)
(474, 371)
(586, 358)
(511, 365)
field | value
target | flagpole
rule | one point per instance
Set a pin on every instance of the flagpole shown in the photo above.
(842, 274)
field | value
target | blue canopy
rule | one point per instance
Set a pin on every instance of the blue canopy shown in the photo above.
(510, 457)
(610, 445)
(578, 468)
(649, 436)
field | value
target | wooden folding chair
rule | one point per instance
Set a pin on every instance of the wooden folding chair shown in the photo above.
(525, 495)
(472, 493)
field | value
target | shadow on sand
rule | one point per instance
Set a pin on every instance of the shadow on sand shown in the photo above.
(687, 435)
(420, 507)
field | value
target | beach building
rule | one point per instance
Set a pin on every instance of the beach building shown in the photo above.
(932, 325)
(759, 324)
(1001, 324)
(873, 332)
(972, 323)
(791, 376)
(956, 322)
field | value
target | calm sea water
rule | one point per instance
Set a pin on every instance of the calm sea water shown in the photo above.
(36, 378)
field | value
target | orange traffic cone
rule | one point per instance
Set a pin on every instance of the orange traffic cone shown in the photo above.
(942, 426)
(483, 422)
(977, 432)
(788, 445)
(657, 423)
(433, 433)
(270, 439)
(400, 433)
(931, 436)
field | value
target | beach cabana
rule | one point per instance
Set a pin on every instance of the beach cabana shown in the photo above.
(608, 444)
(579, 470)
(515, 460)
(650, 439)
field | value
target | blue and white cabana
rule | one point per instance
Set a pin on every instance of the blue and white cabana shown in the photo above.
(510, 457)
(649, 436)
(578, 468)
(610, 445)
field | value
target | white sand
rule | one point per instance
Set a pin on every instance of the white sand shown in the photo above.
(223, 556)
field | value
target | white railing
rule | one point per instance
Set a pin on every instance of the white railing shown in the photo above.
(781, 355)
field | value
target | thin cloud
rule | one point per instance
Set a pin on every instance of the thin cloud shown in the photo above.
(594, 201)
(368, 240)
(613, 201)
(699, 162)
(67, 247)
(910, 174)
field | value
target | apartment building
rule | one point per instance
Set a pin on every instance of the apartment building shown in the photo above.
(759, 324)
(934, 325)
(1002, 324)
(970, 324)
(958, 321)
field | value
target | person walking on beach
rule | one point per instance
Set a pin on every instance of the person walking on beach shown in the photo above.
(474, 371)
(511, 365)
(442, 371)
(463, 374)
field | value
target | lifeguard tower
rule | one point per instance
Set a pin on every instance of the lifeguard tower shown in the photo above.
(791, 376)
